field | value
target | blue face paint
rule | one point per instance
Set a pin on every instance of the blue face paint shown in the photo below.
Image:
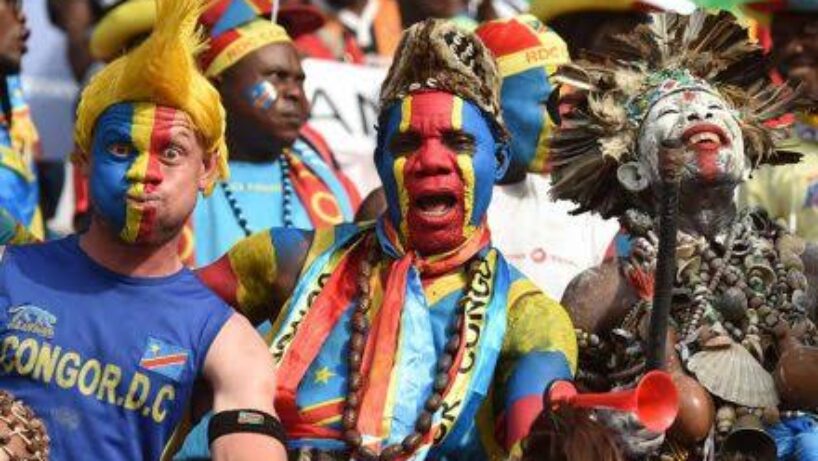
(262, 95)
(125, 166)
(108, 183)
(385, 161)
(470, 175)
(522, 98)
(484, 160)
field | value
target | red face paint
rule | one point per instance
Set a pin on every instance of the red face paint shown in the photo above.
(433, 181)
(130, 139)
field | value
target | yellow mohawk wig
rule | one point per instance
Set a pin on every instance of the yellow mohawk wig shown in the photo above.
(163, 71)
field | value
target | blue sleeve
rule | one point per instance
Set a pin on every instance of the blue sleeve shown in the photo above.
(10, 198)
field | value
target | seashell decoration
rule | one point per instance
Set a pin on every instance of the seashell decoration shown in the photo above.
(790, 243)
(734, 375)
(757, 266)
(791, 261)
(725, 418)
(688, 267)
(732, 304)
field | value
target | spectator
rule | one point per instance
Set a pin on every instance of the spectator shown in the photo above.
(114, 307)
(367, 31)
(790, 193)
(19, 140)
(283, 173)
(527, 53)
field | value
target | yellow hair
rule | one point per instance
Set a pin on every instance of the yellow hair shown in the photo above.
(163, 71)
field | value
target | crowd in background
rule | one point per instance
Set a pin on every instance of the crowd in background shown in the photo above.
(301, 104)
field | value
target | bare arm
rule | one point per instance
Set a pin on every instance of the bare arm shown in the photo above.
(258, 273)
(240, 371)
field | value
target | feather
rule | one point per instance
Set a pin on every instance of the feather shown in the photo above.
(660, 27)
(574, 76)
(694, 28)
(784, 157)
(585, 153)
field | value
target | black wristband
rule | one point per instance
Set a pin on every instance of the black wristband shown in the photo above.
(254, 421)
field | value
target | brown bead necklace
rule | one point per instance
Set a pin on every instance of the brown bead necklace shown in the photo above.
(360, 328)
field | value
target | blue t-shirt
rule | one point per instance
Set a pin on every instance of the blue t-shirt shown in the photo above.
(258, 192)
(107, 361)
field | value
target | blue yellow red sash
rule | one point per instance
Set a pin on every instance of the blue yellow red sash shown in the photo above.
(400, 343)
(318, 187)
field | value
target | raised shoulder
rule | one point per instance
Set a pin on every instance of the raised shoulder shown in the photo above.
(597, 298)
(536, 322)
(258, 273)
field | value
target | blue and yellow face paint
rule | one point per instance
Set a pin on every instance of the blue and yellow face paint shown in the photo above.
(433, 163)
(527, 54)
(261, 95)
(126, 167)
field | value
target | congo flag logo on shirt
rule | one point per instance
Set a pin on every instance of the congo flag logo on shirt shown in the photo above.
(163, 358)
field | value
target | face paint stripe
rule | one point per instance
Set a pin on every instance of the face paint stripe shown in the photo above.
(540, 161)
(403, 195)
(405, 114)
(160, 135)
(457, 113)
(464, 163)
(141, 135)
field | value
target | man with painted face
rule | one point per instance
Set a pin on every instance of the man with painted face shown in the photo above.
(679, 104)
(282, 172)
(412, 337)
(527, 54)
(19, 141)
(104, 334)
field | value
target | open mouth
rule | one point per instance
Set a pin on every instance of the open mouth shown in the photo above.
(705, 136)
(434, 205)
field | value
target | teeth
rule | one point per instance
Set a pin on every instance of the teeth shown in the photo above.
(704, 136)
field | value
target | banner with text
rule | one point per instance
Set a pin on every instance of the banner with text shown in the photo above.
(344, 101)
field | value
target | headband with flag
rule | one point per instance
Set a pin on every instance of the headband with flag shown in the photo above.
(522, 43)
(237, 28)
(527, 53)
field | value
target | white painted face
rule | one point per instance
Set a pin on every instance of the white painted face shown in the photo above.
(707, 127)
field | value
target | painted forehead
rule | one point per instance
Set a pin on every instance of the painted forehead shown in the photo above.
(688, 97)
(434, 112)
(122, 118)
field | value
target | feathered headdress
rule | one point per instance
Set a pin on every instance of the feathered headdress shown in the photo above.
(616, 90)
(162, 70)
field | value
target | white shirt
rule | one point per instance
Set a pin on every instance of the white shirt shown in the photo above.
(541, 239)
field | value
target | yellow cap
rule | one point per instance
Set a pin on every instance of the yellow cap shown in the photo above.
(116, 30)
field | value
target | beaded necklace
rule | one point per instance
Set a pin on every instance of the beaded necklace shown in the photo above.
(286, 198)
(358, 338)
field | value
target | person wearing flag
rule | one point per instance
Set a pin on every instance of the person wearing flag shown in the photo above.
(19, 139)
(104, 334)
(283, 173)
(410, 337)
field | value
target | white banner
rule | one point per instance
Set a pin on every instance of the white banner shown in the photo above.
(344, 101)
